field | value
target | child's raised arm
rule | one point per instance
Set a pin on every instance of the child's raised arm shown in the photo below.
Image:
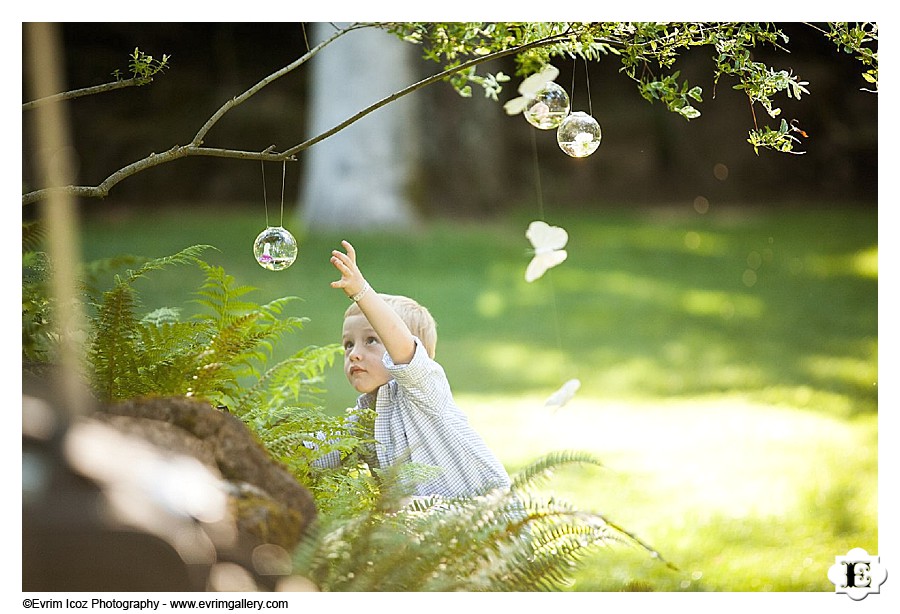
(391, 329)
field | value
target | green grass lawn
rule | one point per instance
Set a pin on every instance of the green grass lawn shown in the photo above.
(728, 364)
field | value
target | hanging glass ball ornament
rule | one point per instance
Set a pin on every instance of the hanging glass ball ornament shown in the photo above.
(579, 135)
(275, 248)
(548, 108)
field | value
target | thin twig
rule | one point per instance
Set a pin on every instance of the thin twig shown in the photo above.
(752, 112)
(85, 91)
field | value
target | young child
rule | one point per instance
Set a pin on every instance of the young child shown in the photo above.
(389, 344)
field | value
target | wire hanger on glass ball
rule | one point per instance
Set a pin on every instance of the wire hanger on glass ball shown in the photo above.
(579, 133)
(275, 248)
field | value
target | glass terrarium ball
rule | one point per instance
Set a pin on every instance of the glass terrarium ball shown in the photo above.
(548, 108)
(579, 135)
(275, 248)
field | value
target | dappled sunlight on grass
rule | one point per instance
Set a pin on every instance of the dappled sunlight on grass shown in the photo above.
(654, 292)
(657, 236)
(677, 368)
(862, 373)
(726, 305)
(865, 262)
(862, 263)
(813, 399)
(705, 243)
(717, 484)
(518, 360)
(491, 304)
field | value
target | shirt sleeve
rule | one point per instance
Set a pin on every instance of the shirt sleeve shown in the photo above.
(422, 381)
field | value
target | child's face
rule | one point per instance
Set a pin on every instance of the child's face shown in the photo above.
(363, 353)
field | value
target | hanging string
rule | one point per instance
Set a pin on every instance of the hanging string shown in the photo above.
(572, 96)
(283, 171)
(537, 176)
(587, 80)
(262, 166)
(548, 274)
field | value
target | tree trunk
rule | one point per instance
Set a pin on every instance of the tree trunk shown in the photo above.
(361, 177)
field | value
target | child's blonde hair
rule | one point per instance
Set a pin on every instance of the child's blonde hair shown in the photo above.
(415, 316)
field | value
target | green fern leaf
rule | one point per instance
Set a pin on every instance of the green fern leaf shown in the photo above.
(113, 348)
(541, 468)
(33, 236)
(189, 255)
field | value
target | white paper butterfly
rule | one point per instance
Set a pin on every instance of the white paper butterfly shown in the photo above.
(564, 394)
(529, 87)
(548, 242)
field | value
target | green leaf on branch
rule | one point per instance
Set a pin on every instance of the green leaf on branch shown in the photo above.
(144, 66)
(780, 140)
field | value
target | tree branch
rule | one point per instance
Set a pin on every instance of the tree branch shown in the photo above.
(155, 159)
(195, 148)
(179, 151)
(85, 91)
(198, 138)
(420, 84)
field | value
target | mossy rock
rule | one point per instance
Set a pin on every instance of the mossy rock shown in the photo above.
(265, 498)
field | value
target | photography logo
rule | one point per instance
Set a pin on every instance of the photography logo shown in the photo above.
(857, 574)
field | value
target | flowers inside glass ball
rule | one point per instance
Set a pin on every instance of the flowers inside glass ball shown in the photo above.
(579, 135)
(275, 248)
(548, 108)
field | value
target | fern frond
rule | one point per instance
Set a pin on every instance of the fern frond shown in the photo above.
(276, 307)
(163, 315)
(168, 350)
(542, 468)
(224, 303)
(655, 554)
(292, 380)
(189, 255)
(92, 273)
(37, 329)
(33, 235)
(245, 335)
(219, 293)
(112, 350)
(503, 540)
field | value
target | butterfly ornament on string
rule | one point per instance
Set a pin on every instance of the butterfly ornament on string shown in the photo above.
(548, 242)
(565, 394)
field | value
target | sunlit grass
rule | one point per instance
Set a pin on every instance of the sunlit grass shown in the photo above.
(729, 368)
(738, 495)
(863, 263)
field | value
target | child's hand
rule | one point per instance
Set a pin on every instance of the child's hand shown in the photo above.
(390, 328)
(352, 280)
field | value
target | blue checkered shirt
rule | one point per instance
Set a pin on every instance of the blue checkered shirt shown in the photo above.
(418, 421)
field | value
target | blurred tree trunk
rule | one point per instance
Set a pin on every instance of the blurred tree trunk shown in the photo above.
(361, 177)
